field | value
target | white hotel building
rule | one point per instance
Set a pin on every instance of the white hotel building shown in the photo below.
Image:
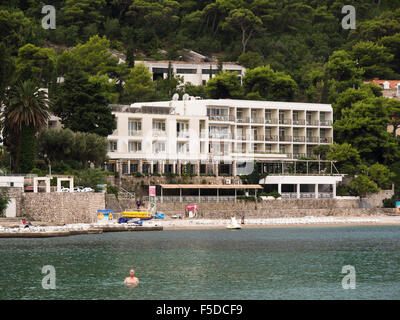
(197, 73)
(225, 137)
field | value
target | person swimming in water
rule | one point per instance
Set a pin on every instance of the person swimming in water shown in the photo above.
(131, 281)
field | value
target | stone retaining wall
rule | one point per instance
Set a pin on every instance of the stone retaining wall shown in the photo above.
(61, 207)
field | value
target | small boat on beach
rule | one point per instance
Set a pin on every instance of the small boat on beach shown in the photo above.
(234, 224)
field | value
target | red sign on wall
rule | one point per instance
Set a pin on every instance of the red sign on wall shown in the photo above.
(152, 191)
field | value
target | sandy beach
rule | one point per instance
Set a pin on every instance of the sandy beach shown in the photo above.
(187, 224)
(175, 224)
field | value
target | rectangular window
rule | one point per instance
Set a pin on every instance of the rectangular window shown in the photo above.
(112, 146)
(134, 127)
(158, 126)
(182, 148)
(207, 71)
(186, 71)
(295, 115)
(134, 146)
(158, 147)
(268, 115)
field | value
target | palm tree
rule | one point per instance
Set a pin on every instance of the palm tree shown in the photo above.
(26, 112)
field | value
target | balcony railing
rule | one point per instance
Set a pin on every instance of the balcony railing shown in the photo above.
(257, 137)
(257, 120)
(243, 120)
(271, 121)
(159, 133)
(219, 135)
(285, 138)
(135, 133)
(299, 139)
(271, 138)
(221, 118)
(312, 122)
(325, 122)
(325, 140)
(285, 121)
(243, 137)
(299, 122)
(312, 139)
(299, 155)
(182, 134)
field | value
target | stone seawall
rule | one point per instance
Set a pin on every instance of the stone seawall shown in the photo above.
(62, 207)
(268, 208)
(275, 209)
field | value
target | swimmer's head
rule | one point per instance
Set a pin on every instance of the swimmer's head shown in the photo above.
(132, 272)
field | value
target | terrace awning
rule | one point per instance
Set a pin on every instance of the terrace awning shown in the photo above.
(211, 186)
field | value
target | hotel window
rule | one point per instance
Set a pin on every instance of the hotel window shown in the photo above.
(295, 115)
(282, 149)
(134, 146)
(182, 127)
(186, 71)
(217, 112)
(158, 126)
(268, 148)
(134, 126)
(308, 117)
(182, 148)
(112, 146)
(158, 147)
(268, 115)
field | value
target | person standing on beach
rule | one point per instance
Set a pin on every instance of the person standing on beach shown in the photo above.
(131, 281)
(243, 218)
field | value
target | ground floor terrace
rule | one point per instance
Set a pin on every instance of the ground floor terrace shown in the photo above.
(302, 186)
(200, 193)
(224, 168)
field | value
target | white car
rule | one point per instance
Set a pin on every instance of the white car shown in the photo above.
(87, 189)
(78, 189)
(63, 189)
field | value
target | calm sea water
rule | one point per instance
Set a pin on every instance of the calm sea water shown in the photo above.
(276, 263)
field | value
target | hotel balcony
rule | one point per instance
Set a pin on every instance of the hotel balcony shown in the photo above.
(257, 137)
(243, 137)
(299, 139)
(183, 134)
(219, 135)
(299, 155)
(312, 122)
(243, 120)
(221, 118)
(285, 121)
(159, 134)
(257, 120)
(299, 122)
(135, 133)
(271, 121)
(285, 138)
(325, 140)
(312, 139)
(271, 138)
(325, 123)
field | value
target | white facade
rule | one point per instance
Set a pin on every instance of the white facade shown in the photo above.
(197, 73)
(12, 181)
(304, 186)
(215, 131)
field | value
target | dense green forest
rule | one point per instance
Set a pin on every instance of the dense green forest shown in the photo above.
(295, 50)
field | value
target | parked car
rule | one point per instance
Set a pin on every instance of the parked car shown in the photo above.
(87, 189)
(78, 189)
(63, 189)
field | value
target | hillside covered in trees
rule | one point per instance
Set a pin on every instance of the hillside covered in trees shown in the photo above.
(295, 50)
